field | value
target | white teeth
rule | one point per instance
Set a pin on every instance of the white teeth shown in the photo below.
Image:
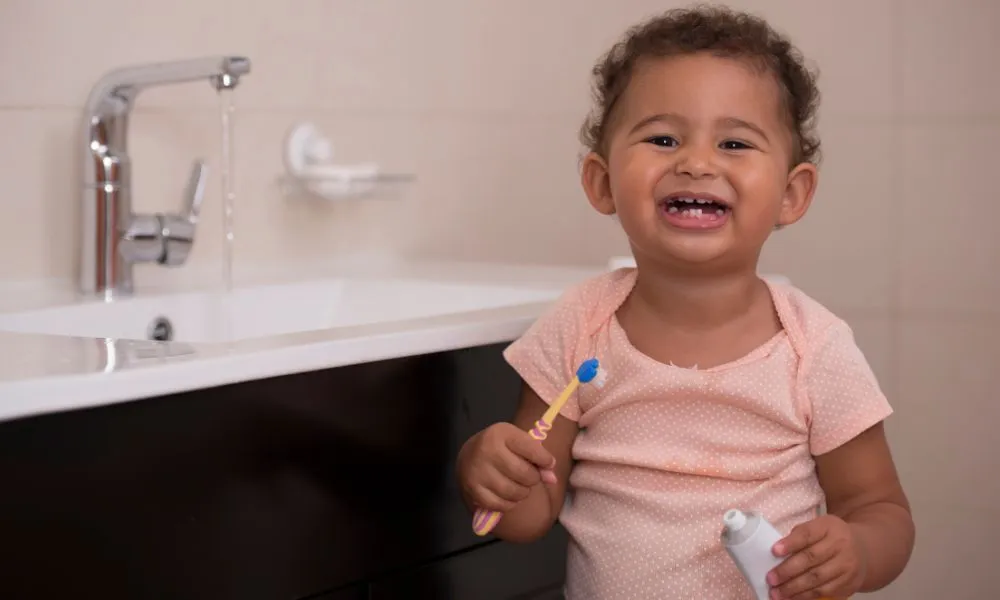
(694, 208)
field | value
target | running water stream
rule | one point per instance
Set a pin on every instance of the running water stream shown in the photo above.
(227, 171)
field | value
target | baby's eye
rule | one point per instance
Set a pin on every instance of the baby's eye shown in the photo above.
(734, 145)
(664, 141)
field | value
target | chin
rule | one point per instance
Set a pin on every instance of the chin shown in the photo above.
(688, 262)
(684, 249)
(697, 251)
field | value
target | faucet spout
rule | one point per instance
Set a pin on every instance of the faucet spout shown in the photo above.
(108, 224)
(116, 90)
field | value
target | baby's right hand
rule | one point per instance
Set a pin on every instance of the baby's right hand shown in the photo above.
(498, 466)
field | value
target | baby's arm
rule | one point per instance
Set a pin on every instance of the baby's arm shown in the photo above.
(534, 516)
(863, 488)
(547, 357)
(865, 540)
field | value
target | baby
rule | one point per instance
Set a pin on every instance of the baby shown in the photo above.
(724, 390)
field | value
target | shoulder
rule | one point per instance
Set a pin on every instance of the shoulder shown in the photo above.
(839, 393)
(547, 355)
(560, 331)
(809, 323)
(824, 341)
(594, 299)
(595, 287)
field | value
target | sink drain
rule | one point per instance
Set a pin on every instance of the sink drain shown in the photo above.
(161, 330)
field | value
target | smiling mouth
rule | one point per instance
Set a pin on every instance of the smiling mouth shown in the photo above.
(695, 208)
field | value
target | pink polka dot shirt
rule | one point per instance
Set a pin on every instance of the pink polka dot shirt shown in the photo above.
(664, 451)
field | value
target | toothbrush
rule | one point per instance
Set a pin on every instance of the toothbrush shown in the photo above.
(590, 371)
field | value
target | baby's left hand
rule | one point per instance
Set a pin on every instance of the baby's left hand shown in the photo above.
(824, 560)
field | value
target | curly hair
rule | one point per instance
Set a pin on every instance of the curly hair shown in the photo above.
(722, 32)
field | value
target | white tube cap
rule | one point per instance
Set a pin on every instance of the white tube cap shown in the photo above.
(734, 520)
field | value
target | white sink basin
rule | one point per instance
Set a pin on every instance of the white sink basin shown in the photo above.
(255, 312)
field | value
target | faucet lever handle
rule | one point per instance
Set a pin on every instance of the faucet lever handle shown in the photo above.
(177, 231)
(195, 191)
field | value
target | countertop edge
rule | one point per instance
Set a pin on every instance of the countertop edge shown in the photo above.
(36, 396)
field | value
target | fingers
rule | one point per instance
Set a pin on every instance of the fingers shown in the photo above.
(487, 500)
(825, 591)
(548, 476)
(530, 449)
(814, 581)
(500, 467)
(517, 468)
(819, 562)
(495, 491)
(803, 563)
(801, 537)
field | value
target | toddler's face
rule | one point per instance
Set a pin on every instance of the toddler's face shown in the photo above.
(697, 164)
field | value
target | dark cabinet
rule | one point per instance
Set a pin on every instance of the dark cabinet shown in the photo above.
(553, 593)
(494, 571)
(358, 592)
(328, 485)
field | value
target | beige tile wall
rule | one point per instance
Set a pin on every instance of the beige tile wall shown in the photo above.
(482, 98)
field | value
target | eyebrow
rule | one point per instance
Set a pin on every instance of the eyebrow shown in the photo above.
(732, 122)
(741, 124)
(659, 118)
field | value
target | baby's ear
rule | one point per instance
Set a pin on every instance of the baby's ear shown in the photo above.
(597, 183)
(799, 191)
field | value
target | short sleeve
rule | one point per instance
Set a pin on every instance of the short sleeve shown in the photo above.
(843, 392)
(548, 354)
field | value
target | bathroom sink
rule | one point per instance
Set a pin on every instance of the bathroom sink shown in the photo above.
(255, 312)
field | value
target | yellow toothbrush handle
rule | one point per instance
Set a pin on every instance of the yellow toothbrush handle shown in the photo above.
(483, 521)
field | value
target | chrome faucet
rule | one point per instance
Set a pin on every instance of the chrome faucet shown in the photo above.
(113, 238)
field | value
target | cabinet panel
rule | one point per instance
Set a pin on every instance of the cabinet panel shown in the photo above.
(271, 489)
(551, 593)
(494, 571)
(358, 592)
